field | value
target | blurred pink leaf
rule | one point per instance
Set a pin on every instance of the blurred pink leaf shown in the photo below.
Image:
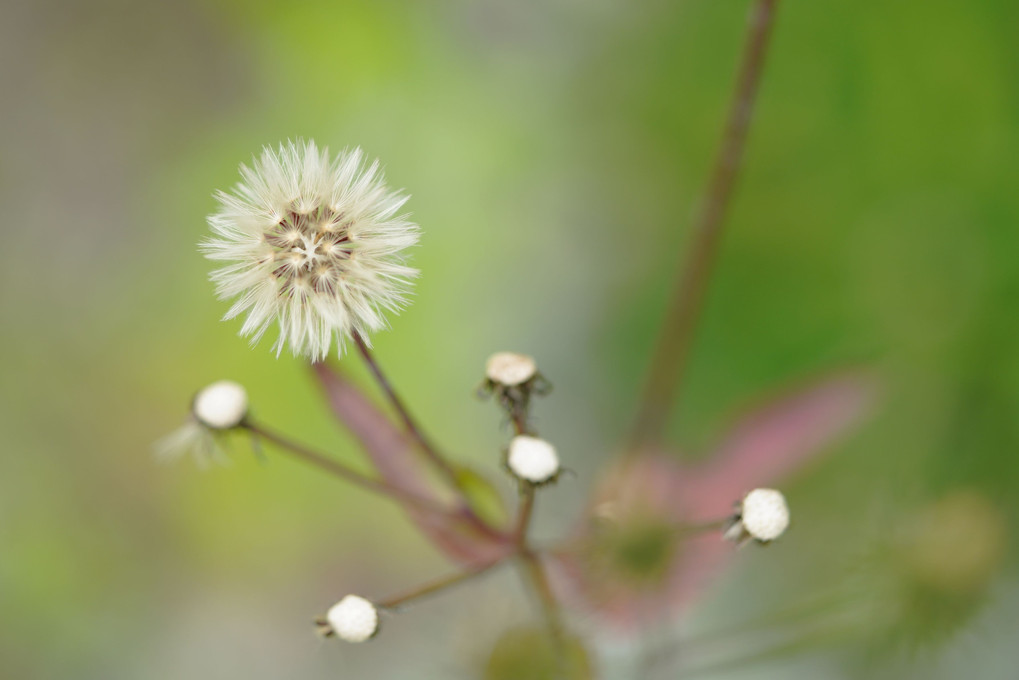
(394, 456)
(775, 439)
(763, 446)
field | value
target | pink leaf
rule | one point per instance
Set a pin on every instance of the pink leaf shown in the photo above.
(774, 440)
(394, 456)
(764, 446)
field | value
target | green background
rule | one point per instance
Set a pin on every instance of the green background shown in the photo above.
(554, 152)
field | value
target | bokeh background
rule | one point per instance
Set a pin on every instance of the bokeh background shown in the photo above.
(555, 152)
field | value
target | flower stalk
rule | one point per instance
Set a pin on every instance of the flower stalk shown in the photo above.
(430, 451)
(538, 578)
(675, 342)
(348, 474)
(435, 586)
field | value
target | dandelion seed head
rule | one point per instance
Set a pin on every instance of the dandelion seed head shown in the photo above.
(532, 459)
(314, 244)
(353, 619)
(221, 406)
(510, 368)
(764, 514)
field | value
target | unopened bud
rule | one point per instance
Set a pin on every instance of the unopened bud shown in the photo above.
(352, 619)
(221, 406)
(532, 459)
(763, 514)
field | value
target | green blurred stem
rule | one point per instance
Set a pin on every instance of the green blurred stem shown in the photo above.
(669, 364)
(345, 473)
(436, 586)
(408, 421)
(538, 578)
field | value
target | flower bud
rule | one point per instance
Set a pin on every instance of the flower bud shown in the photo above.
(763, 514)
(221, 406)
(532, 459)
(510, 369)
(352, 619)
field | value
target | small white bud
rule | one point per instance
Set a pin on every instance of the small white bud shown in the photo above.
(510, 369)
(353, 619)
(764, 514)
(532, 459)
(221, 406)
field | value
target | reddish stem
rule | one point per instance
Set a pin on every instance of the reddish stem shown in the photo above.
(671, 359)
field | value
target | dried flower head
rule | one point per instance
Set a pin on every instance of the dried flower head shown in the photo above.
(352, 619)
(510, 369)
(532, 459)
(763, 514)
(314, 244)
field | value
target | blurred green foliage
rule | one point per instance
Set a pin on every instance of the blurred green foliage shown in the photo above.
(529, 653)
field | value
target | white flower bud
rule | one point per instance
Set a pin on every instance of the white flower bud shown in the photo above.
(764, 514)
(532, 459)
(353, 619)
(221, 406)
(510, 369)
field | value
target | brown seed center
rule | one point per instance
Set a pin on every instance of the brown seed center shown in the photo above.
(311, 251)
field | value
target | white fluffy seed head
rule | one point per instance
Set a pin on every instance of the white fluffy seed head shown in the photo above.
(221, 406)
(532, 459)
(510, 369)
(313, 244)
(764, 514)
(353, 619)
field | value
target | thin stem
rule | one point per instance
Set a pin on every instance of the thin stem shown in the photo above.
(465, 511)
(668, 367)
(435, 586)
(348, 474)
(408, 421)
(524, 515)
(519, 419)
(533, 567)
(703, 527)
(535, 571)
(526, 510)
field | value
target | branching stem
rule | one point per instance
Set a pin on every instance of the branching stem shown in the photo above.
(436, 586)
(337, 469)
(404, 414)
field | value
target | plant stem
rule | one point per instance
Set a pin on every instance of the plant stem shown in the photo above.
(408, 421)
(532, 565)
(524, 514)
(348, 474)
(435, 586)
(526, 509)
(535, 571)
(703, 527)
(668, 367)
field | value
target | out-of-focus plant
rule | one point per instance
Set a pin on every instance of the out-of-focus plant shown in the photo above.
(316, 245)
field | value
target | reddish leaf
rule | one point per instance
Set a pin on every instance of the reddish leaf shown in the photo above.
(775, 439)
(394, 456)
(764, 446)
